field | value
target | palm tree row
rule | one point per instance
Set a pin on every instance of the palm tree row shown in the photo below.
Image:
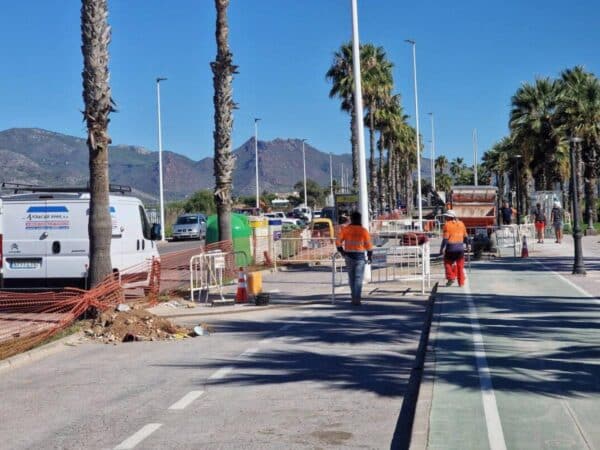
(390, 173)
(545, 115)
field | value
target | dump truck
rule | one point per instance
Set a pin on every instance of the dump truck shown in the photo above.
(474, 205)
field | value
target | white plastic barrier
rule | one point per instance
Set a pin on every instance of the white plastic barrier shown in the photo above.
(206, 273)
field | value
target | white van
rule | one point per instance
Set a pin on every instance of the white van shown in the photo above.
(303, 211)
(46, 243)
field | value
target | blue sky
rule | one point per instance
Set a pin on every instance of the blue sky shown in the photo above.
(471, 57)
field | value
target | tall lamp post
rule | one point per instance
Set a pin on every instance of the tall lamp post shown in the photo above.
(432, 153)
(363, 197)
(331, 178)
(518, 181)
(160, 161)
(475, 157)
(419, 200)
(578, 266)
(304, 171)
(256, 160)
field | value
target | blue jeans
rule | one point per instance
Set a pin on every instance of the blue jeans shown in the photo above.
(356, 272)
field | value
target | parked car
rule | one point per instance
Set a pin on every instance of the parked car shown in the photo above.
(303, 212)
(190, 226)
(275, 215)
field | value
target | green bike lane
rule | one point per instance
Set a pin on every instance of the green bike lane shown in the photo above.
(515, 357)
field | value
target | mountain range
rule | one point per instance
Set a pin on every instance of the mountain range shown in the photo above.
(41, 157)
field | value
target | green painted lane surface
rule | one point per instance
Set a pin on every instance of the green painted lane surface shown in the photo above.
(542, 347)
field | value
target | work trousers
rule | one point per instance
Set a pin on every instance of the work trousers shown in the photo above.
(356, 273)
(454, 264)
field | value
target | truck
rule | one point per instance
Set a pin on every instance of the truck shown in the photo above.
(475, 206)
(45, 242)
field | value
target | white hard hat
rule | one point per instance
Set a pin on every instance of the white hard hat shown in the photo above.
(557, 204)
(450, 213)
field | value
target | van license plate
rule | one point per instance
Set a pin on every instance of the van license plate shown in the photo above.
(25, 264)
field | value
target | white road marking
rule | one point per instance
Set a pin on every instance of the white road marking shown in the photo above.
(265, 341)
(221, 373)
(138, 437)
(490, 408)
(566, 280)
(250, 351)
(186, 400)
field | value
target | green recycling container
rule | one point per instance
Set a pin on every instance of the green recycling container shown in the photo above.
(241, 233)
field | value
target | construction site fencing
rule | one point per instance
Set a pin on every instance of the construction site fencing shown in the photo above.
(403, 263)
(27, 319)
(394, 227)
(206, 273)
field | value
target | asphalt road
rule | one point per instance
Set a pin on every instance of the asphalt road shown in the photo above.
(175, 246)
(317, 376)
(517, 363)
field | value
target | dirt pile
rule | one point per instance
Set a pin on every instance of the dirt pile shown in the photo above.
(133, 325)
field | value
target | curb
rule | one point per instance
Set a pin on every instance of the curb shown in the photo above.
(246, 310)
(38, 353)
(416, 399)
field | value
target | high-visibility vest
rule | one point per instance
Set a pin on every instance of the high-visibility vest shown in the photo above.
(354, 238)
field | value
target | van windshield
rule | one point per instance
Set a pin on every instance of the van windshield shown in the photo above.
(187, 220)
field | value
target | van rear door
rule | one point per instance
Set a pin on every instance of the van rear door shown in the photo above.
(67, 243)
(24, 245)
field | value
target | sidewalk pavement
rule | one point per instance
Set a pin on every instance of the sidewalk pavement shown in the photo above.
(513, 358)
(290, 287)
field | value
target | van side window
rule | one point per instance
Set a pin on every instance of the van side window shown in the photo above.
(146, 228)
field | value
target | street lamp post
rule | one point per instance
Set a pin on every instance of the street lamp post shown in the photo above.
(160, 161)
(419, 200)
(256, 160)
(518, 181)
(578, 266)
(360, 129)
(331, 177)
(304, 171)
(475, 158)
(432, 153)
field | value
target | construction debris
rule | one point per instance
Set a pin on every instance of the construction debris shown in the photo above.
(133, 325)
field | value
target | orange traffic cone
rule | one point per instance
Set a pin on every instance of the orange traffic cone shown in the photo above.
(524, 249)
(241, 296)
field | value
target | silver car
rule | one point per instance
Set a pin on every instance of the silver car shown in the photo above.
(190, 226)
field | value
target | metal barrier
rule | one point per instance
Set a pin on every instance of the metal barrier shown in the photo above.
(304, 250)
(506, 237)
(206, 273)
(394, 227)
(404, 263)
(397, 263)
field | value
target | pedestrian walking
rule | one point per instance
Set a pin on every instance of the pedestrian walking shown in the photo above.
(506, 212)
(557, 221)
(353, 241)
(539, 219)
(453, 249)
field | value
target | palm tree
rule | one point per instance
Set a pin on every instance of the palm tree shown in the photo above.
(98, 104)
(441, 164)
(457, 167)
(579, 113)
(341, 76)
(377, 83)
(534, 133)
(224, 161)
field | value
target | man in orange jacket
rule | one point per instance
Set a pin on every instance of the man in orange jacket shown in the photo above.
(453, 248)
(352, 242)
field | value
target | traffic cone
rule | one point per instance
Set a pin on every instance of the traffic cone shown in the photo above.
(524, 249)
(241, 296)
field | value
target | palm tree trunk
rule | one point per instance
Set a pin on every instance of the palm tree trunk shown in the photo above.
(224, 162)
(390, 176)
(372, 169)
(95, 33)
(409, 187)
(381, 184)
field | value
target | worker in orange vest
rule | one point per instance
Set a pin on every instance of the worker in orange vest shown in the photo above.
(453, 248)
(352, 242)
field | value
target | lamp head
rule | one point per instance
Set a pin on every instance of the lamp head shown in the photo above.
(159, 79)
(410, 41)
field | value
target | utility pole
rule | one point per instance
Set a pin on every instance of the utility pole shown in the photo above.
(256, 120)
(160, 161)
(475, 155)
